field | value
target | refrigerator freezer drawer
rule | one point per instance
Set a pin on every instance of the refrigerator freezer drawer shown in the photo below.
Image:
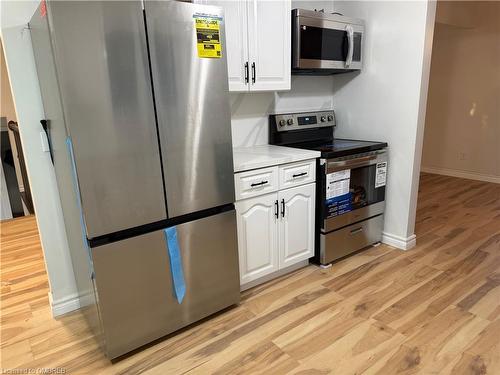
(342, 242)
(134, 281)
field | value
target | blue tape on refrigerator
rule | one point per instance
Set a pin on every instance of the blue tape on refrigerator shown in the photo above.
(175, 259)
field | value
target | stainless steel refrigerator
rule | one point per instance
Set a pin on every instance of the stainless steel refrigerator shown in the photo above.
(136, 101)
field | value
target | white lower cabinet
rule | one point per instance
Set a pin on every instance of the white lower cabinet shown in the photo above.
(257, 236)
(275, 231)
(296, 229)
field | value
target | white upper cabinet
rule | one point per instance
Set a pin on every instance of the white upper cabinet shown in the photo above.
(258, 43)
(236, 48)
(269, 40)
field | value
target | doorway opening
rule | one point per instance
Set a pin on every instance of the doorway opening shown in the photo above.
(462, 127)
(16, 198)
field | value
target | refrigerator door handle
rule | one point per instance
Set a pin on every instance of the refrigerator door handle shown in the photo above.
(46, 128)
(176, 270)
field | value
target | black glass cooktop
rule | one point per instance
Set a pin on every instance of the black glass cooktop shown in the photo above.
(341, 147)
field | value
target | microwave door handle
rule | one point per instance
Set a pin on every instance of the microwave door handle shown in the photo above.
(350, 43)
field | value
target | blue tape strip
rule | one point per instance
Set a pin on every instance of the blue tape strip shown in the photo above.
(174, 255)
(76, 188)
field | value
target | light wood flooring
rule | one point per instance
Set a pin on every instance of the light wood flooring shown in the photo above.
(432, 310)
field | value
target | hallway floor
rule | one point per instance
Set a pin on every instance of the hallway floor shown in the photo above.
(433, 309)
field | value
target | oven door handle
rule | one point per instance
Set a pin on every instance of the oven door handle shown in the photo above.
(350, 43)
(350, 163)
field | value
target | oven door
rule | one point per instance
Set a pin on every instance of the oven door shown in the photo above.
(324, 44)
(352, 189)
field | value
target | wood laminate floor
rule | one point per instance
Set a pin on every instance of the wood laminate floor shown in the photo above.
(432, 310)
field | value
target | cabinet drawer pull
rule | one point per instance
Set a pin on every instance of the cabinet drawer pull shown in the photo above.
(356, 231)
(259, 183)
(299, 174)
(276, 209)
(283, 207)
(246, 72)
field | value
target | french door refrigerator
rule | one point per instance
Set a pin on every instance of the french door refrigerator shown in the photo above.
(137, 112)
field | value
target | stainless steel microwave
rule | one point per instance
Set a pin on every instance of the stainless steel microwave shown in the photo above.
(325, 43)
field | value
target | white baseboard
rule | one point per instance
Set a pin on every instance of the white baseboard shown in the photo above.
(399, 242)
(64, 305)
(461, 174)
(70, 303)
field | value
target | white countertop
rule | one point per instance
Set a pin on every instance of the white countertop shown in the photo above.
(246, 158)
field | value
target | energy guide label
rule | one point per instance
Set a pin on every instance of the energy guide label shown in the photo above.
(381, 175)
(208, 36)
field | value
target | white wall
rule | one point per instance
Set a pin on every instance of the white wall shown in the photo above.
(462, 131)
(250, 112)
(386, 101)
(29, 109)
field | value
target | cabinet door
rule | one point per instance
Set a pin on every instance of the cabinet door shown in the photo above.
(296, 228)
(257, 236)
(236, 47)
(269, 41)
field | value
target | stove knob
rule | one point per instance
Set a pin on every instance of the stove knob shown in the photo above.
(290, 121)
(282, 122)
(330, 117)
(323, 118)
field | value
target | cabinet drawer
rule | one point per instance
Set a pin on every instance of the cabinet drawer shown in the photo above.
(257, 182)
(342, 242)
(295, 174)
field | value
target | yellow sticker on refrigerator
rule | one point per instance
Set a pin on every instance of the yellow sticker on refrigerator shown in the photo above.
(208, 37)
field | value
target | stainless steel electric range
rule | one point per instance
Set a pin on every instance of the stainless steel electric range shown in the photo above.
(350, 182)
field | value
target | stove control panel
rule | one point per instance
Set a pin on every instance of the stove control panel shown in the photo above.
(304, 120)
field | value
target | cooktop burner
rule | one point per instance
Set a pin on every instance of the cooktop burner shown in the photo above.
(340, 147)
